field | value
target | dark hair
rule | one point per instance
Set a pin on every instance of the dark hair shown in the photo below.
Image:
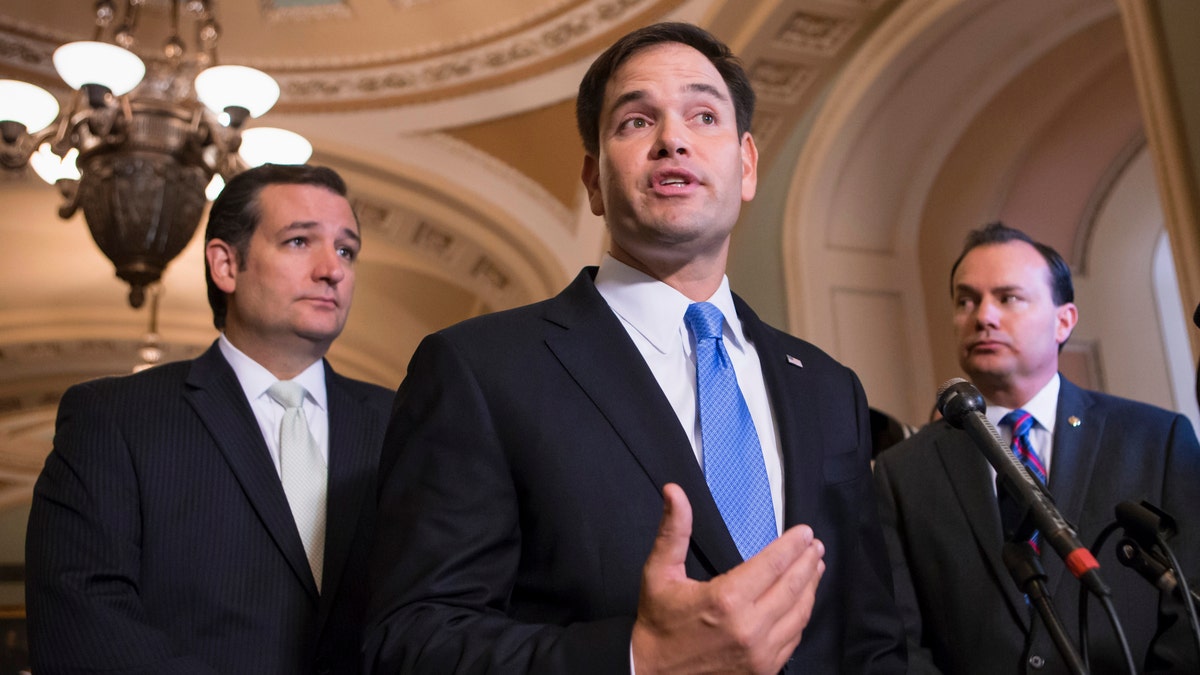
(1062, 290)
(590, 99)
(235, 214)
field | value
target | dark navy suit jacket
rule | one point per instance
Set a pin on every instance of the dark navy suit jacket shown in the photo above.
(521, 488)
(963, 612)
(160, 539)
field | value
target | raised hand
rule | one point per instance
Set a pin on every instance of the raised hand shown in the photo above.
(748, 620)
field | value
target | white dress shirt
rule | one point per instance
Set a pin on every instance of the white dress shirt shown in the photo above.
(652, 313)
(1044, 408)
(255, 381)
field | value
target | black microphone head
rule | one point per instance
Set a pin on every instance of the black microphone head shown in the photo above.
(956, 398)
(1145, 522)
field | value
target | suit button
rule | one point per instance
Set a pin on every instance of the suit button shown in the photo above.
(1036, 662)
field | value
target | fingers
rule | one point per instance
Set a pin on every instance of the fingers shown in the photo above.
(758, 574)
(794, 578)
(792, 597)
(749, 619)
(674, 532)
(781, 583)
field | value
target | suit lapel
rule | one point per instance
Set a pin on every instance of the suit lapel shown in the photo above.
(214, 393)
(968, 475)
(1073, 461)
(592, 343)
(788, 387)
(352, 458)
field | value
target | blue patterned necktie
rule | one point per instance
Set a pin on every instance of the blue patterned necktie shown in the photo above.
(733, 459)
(1021, 422)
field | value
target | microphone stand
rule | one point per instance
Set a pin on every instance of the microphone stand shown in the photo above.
(1027, 571)
(1145, 550)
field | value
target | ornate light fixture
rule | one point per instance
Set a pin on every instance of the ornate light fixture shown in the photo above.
(139, 143)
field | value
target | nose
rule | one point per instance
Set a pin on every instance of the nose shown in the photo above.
(987, 314)
(329, 266)
(671, 138)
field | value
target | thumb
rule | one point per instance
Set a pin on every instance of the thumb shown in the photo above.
(674, 531)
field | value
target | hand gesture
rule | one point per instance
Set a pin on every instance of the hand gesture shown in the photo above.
(747, 620)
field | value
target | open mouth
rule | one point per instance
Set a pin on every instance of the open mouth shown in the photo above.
(673, 181)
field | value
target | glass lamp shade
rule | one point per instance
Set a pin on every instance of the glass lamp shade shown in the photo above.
(262, 145)
(213, 190)
(52, 168)
(222, 87)
(80, 63)
(29, 105)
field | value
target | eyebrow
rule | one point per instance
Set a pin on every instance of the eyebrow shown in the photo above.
(305, 225)
(695, 87)
(958, 288)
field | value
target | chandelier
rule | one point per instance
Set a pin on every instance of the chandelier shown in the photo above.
(142, 145)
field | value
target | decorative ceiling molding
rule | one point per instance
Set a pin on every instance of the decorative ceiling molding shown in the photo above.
(538, 48)
(457, 257)
(809, 32)
(798, 48)
(36, 373)
(780, 81)
(477, 196)
(26, 49)
(26, 437)
(445, 42)
(73, 359)
(465, 237)
(537, 42)
(25, 440)
(275, 11)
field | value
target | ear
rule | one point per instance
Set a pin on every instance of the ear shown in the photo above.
(591, 180)
(749, 167)
(222, 264)
(1066, 316)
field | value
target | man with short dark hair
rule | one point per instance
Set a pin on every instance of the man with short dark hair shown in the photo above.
(637, 474)
(945, 520)
(212, 516)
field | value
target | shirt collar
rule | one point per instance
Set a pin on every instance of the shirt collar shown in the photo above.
(1043, 406)
(255, 379)
(655, 310)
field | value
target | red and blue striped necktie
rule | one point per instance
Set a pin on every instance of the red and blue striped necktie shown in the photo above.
(1021, 423)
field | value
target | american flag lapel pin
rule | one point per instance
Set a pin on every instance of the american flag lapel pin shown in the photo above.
(795, 361)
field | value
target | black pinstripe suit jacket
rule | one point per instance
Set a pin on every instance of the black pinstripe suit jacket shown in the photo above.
(160, 539)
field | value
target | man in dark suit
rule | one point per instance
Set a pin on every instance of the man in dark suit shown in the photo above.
(938, 498)
(534, 454)
(175, 528)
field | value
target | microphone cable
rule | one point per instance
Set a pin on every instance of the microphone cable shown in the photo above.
(1147, 529)
(1109, 610)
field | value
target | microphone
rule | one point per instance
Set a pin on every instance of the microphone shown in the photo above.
(1152, 568)
(1145, 526)
(962, 406)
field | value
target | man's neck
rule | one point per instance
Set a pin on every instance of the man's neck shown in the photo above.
(1010, 395)
(696, 278)
(283, 361)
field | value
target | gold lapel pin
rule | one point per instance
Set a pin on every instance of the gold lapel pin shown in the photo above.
(1074, 421)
